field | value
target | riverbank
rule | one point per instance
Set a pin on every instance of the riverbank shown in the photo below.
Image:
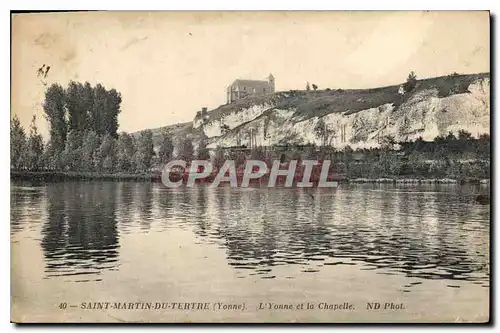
(419, 181)
(153, 177)
(66, 176)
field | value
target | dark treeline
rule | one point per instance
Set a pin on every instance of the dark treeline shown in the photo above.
(459, 157)
(84, 136)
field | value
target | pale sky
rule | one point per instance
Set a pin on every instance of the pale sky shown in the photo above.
(167, 65)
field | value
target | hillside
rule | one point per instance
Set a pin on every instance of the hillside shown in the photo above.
(177, 131)
(358, 118)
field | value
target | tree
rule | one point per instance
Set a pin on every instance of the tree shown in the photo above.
(53, 158)
(464, 136)
(219, 158)
(186, 150)
(145, 151)
(106, 158)
(411, 82)
(203, 153)
(315, 87)
(96, 115)
(324, 132)
(54, 107)
(308, 87)
(75, 105)
(73, 152)
(166, 149)
(125, 151)
(17, 143)
(90, 148)
(35, 147)
(483, 147)
(113, 101)
(87, 103)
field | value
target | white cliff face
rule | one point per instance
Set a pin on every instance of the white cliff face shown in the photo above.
(424, 115)
(212, 128)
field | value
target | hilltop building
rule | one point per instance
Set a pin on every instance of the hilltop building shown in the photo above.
(241, 88)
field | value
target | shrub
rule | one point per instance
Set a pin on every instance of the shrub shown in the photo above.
(411, 82)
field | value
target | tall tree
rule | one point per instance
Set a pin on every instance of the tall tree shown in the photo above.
(104, 111)
(96, 115)
(77, 113)
(87, 103)
(17, 143)
(35, 147)
(55, 112)
(113, 101)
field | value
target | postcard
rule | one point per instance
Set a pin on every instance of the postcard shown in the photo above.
(250, 167)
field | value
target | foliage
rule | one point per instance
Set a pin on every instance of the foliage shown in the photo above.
(35, 147)
(203, 153)
(73, 152)
(125, 150)
(324, 132)
(17, 143)
(144, 151)
(106, 155)
(55, 113)
(219, 158)
(186, 150)
(90, 148)
(166, 150)
(411, 82)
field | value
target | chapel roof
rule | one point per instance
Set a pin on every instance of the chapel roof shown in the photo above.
(250, 83)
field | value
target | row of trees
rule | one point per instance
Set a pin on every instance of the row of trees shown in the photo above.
(459, 157)
(79, 114)
(82, 151)
(83, 123)
(86, 151)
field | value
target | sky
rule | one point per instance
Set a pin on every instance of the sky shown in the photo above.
(168, 65)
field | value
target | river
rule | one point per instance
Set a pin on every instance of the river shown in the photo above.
(425, 247)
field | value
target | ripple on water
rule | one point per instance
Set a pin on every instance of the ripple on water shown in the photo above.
(423, 232)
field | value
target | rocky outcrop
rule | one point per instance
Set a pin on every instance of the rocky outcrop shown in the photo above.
(355, 118)
(430, 110)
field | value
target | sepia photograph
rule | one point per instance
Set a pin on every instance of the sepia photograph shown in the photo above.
(250, 167)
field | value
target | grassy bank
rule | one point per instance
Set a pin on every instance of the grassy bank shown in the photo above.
(65, 176)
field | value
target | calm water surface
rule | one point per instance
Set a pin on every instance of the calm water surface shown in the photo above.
(419, 242)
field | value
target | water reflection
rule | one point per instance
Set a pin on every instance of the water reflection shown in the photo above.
(79, 235)
(423, 232)
(430, 235)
